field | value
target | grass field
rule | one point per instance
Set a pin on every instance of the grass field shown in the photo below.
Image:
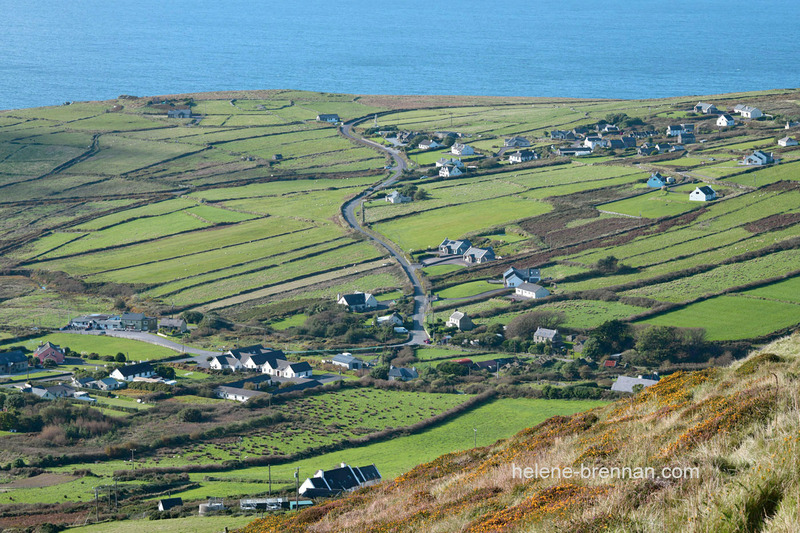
(730, 317)
(195, 524)
(654, 204)
(468, 289)
(104, 345)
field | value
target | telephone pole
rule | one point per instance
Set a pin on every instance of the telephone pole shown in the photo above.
(297, 488)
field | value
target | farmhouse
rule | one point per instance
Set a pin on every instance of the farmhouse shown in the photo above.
(479, 255)
(627, 384)
(346, 360)
(138, 322)
(51, 352)
(532, 291)
(514, 277)
(607, 128)
(449, 171)
(345, 478)
(96, 321)
(522, 156)
(179, 113)
(702, 194)
(725, 120)
(397, 373)
(449, 247)
(357, 301)
(395, 197)
(674, 131)
(706, 109)
(173, 325)
(61, 391)
(616, 144)
(130, 372)
(516, 142)
(787, 141)
(595, 142)
(686, 138)
(629, 141)
(107, 384)
(331, 118)
(462, 149)
(460, 320)
(759, 158)
(561, 135)
(748, 111)
(546, 335)
(429, 145)
(656, 181)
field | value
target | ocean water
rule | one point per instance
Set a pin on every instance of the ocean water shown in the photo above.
(52, 51)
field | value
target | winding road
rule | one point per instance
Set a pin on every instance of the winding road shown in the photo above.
(417, 332)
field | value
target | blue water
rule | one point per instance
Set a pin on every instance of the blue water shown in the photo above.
(56, 50)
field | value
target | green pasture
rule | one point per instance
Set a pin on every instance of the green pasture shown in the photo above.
(470, 288)
(103, 345)
(654, 204)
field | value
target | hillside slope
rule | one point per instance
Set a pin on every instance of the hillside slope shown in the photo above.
(734, 433)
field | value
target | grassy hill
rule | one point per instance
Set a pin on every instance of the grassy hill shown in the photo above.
(733, 434)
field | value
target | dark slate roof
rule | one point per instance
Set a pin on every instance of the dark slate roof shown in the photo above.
(261, 358)
(705, 189)
(169, 503)
(369, 473)
(341, 478)
(299, 384)
(347, 359)
(12, 357)
(358, 298)
(256, 349)
(138, 368)
(403, 373)
(132, 316)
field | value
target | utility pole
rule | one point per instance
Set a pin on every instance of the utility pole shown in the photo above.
(270, 479)
(297, 488)
(476, 436)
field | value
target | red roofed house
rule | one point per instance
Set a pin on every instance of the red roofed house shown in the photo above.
(610, 363)
(50, 351)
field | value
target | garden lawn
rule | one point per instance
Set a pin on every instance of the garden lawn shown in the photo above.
(471, 288)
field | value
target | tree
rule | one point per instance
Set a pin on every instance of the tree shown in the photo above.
(192, 317)
(454, 369)
(421, 194)
(524, 326)
(15, 401)
(49, 363)
(409, 190)
(657, 343)
(613, 336)
(8, 421)
(120, 357)
(190, 415)
(166, 372)
(608, 264)
(380, 372)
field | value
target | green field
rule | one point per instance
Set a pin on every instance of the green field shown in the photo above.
(654, 204)
(730, 317)
(195, 524)
(104, 345)
(468, 289)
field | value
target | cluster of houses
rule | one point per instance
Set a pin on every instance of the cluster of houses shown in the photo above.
(470, 254)
(450, 167)
(127, 322)
(262, 360)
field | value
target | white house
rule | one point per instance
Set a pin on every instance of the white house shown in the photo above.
(759, 158)
(748, 111)
(394, 318)
(395, 197)
(787, 141)
(514, 277)
(462, 149)
(725, 120)
(460, 320)
(703, 194)
(595, 142)
(429, 145)
(449, 171)
(130, 372)
(293, 370)
(674, 131)
(332, 118)
(357, 301)
(532, 291)
(522, 156)
(225, 362)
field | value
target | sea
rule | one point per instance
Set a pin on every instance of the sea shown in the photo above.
(52, 51)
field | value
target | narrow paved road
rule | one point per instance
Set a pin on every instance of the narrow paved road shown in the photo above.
(149, 338)
(418, 334)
